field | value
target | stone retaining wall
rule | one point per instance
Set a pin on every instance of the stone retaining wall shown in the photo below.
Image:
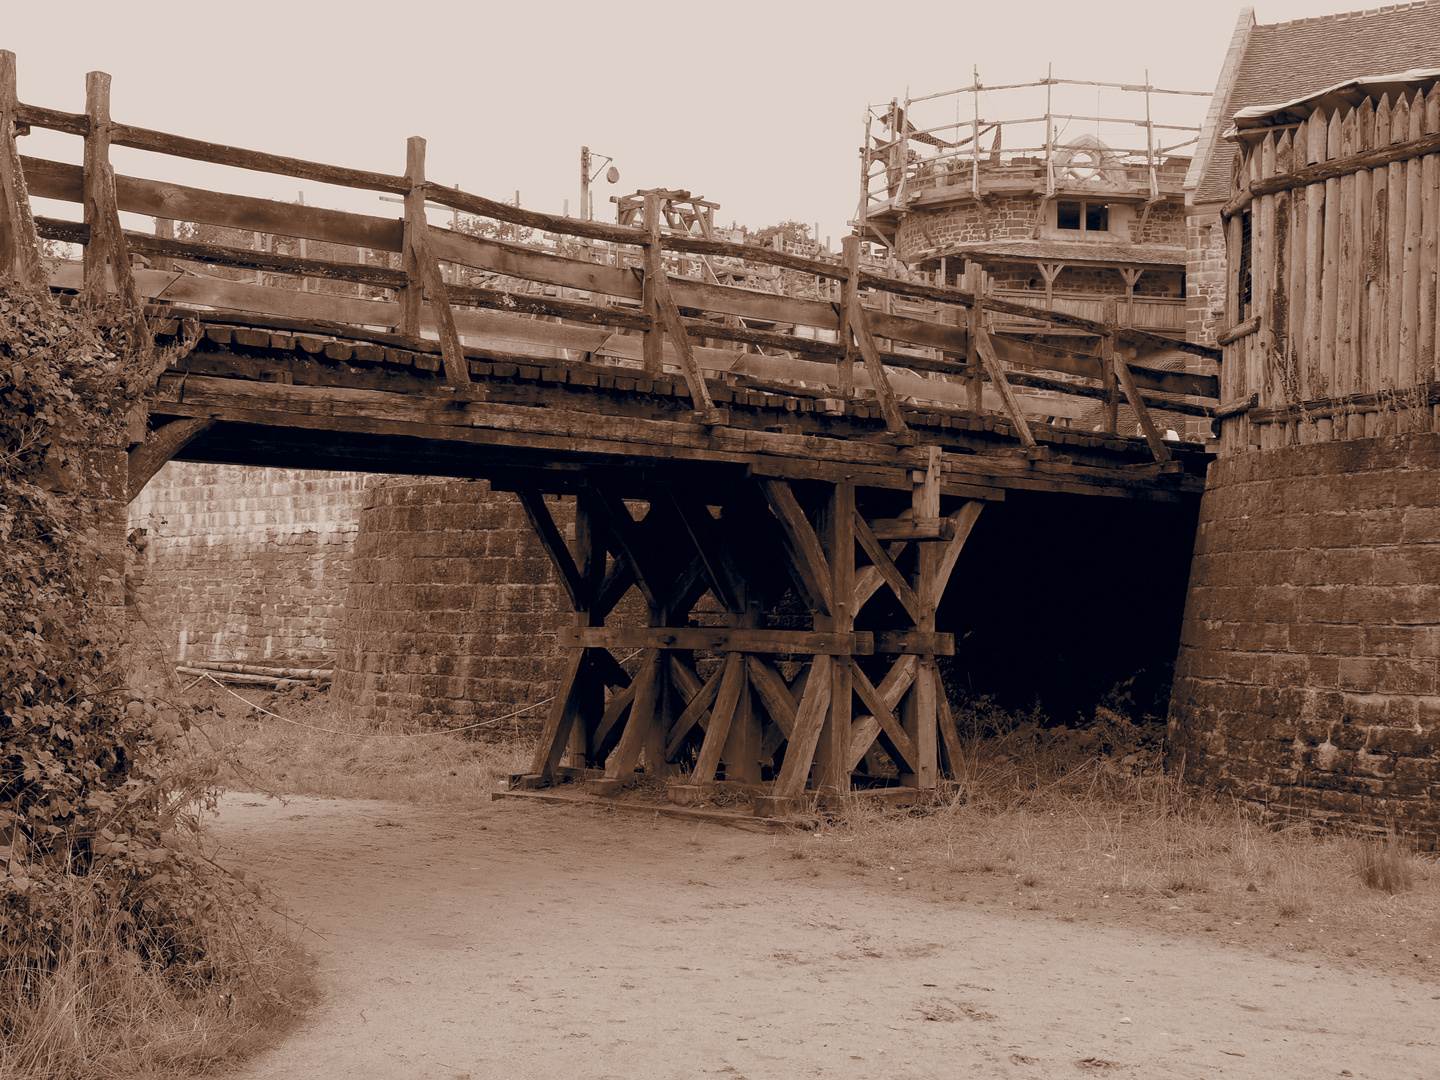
(451, 610)
(240, 564)
(1308, 676)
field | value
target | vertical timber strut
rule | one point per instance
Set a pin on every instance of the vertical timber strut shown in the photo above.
(726, 684)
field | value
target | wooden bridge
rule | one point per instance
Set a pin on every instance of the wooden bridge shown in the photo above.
(787, 481)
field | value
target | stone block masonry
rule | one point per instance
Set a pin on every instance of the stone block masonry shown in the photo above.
(451, 610)
(1308, 676)
(242, 564)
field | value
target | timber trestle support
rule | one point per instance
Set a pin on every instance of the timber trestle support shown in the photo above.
(788, 642)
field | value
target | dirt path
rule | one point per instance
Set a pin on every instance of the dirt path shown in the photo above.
(521, 941)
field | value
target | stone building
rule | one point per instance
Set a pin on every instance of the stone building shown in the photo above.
(1052, 216)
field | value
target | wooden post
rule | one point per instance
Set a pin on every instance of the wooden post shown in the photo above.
(849, 298)
(918, 716)
(1108, 344)
(422, 272)
(97, 154)
(972, 340)
(838, 539)
(19, 245)
(106, 244)
(654, 348)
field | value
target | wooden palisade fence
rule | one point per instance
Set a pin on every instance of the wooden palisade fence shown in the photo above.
(1331, 300)
(780, 529)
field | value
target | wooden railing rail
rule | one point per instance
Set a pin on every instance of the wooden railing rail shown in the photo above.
(852, 334)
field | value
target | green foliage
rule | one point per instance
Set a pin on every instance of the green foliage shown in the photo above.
(88, 799)
(793, 232)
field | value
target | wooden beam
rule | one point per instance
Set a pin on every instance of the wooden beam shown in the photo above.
(912, 528)
(964, 520)
(725, 577)
(160, 445)
(700, 698)
(1235, 333)
(622, 763)
(805, 734)
(889, 406)
(653, 337)
(629, 546)
(901, 745)
(837, 532)
(1158, 449)
(555, 546)
(603, 741)
(1002, 384)
(774, 695)
(680, 339)
(717, 639)
(556, 733)
(952, 753)
(886, 567)
(732, 686)
(891, 689)
(803, 546)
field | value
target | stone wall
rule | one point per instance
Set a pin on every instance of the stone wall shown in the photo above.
(1308, 676)
(1205, 280)
(451, 610)
(1013, 217)
(239, 564)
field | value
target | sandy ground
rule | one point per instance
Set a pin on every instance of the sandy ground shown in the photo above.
(522, 940)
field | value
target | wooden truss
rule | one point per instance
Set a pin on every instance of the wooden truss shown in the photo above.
(788, 639)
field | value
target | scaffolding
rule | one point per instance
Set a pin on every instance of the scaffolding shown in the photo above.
(917, 144)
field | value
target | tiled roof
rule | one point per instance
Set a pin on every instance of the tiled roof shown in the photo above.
(1288, 60)
(1070, 251)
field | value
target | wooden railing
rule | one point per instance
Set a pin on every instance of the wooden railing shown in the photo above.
(1331, 298)
(635, 315)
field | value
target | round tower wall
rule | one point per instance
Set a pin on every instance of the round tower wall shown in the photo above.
(1307, 676)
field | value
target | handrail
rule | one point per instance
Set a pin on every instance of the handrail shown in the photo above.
(847, 338)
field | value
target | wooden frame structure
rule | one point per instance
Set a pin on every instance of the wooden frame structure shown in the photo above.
(1332, 294)
(820, 493)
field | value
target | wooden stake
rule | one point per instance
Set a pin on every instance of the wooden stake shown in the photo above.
(19, 245)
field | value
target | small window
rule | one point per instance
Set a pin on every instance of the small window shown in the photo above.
(1082, 216)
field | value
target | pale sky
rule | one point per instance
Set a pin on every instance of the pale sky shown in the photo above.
(755, 104)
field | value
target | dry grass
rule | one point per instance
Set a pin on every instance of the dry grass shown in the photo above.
(98, 1010)
(326, 752)
(1071, 831)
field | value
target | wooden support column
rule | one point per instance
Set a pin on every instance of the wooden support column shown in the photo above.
(837, 536)
(654, 258)
(422, 272)
(19, 245)
(918, 717)
(1108, 354)
(589, 552)
(849, 300)
(973, 378)
(638, 730)
(106, 257)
